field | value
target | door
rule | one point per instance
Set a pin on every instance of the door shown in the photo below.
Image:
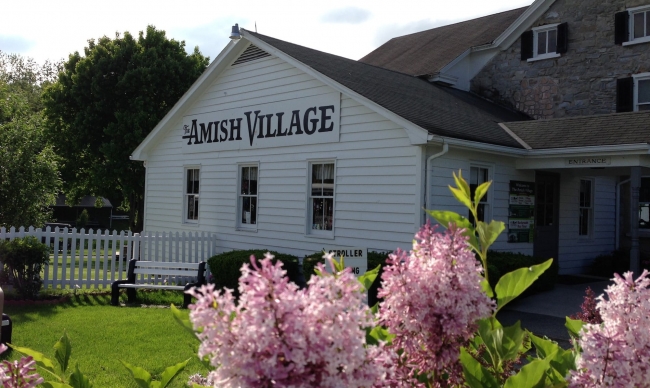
(547, 211)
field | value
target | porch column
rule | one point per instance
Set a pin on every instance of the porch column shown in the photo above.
(635, 185)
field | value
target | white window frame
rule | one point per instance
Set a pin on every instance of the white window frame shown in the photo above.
(309, 227)
(487, 212)
(590, 209)
(536, 32)
(240, 198)
(632, 12)
(637, 78)
(187, 197)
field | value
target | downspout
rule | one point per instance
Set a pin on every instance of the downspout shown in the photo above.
(427, 168)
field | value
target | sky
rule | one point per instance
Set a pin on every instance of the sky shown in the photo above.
(53, 29)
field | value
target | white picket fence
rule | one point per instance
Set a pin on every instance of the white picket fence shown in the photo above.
(95, 259)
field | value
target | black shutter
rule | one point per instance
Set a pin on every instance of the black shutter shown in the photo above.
(562, 38)
(625, 94)
(526, 45)
(621, 27)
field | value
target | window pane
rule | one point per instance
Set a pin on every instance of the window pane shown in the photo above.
(254, 210)
(541, 42)
(552, 41)
(644, 91)
(316, 179)
(639, 25)
(317, 213)
(252, 180)
(585, 193)
(328, 212)
(246, 210)
(584, 222)
(644, 107)
(548, 217)
(644, 216)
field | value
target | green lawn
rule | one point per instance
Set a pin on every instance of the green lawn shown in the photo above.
(102, 334)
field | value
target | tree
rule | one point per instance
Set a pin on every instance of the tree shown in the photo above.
(29, 177)
(106, 102)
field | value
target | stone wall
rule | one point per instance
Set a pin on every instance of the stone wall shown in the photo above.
(580, 82)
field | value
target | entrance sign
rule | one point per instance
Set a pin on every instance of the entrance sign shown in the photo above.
(311, 120)
(521, 212)
(592, 161)
(355, 258)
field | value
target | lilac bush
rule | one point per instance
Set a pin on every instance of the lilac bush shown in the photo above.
(616, 353)
(20, 373)
(278, 335)
(432, 302)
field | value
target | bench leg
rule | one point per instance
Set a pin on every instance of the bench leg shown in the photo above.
(115, 295)
(187, 299)
(130, 293)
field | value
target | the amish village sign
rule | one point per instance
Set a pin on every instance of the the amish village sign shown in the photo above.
(308, 120)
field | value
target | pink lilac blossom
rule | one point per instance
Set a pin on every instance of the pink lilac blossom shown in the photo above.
(432, 302)
(278, 335)
(19, 373)
(616, 353)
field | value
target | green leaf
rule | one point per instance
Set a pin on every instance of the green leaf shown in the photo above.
(562, 361)
(183, 318)
(512, 284)
(574, 326)
(62, 351)
(170, 372)
(491, 333)
(461, 197)
(512, 342)
(481, 190)
(39, 358)
(485, 286)
(78, 380)
(445, 217)
(476, 376)
(378, 334)
(54, 384)
(369, 277)
(531, 375)
(462, 183)
(141, 376)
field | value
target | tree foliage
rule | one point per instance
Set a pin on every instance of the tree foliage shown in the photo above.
(106, 102)
(29, 177)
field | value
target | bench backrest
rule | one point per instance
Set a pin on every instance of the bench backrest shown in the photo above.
(137, 267)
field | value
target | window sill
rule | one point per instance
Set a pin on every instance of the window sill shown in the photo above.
(645, 39)
(324, 236)
(191, 224)
(245, 229)
(542, 57)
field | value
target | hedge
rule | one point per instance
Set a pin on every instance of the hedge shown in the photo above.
(500, 263)
(226, 267)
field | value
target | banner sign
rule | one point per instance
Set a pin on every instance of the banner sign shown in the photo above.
(308, 120)
(355, 258)
(521, 212)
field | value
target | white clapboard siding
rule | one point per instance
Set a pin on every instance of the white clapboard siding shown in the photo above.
(376, 172)
(503, 171)
(97, 265)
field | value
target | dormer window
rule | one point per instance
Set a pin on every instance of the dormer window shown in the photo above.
(544, 42)
(632, 26)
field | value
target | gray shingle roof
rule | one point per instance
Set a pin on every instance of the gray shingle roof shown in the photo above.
(427, 52)
(440, 110)
(600, 130)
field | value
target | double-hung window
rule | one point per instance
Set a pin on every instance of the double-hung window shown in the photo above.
(586, 207)
(543, 42)
(642, 91)
(633, 93)
(321, 197)
(191, 195)
(632, 26)
(247, 203)
(477, 176)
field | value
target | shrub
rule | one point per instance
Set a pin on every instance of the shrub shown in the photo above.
(225, 267)
(374, 259)
(608, 264)
(500, 263)
(24, 259)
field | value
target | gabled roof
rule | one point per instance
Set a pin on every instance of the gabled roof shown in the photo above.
(586, 131)
(427, 52)
(441, 111)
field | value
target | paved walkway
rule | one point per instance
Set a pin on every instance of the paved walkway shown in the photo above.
(545, 313)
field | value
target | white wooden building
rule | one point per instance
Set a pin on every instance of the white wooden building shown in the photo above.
(280, 147)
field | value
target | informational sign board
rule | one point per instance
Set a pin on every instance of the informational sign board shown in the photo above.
(521, 212)
(355, 258)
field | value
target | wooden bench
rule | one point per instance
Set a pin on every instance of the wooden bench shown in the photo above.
(157, 270)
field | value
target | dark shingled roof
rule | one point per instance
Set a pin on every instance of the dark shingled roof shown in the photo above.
(440, 110)
(427, 52)
(600, 130)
